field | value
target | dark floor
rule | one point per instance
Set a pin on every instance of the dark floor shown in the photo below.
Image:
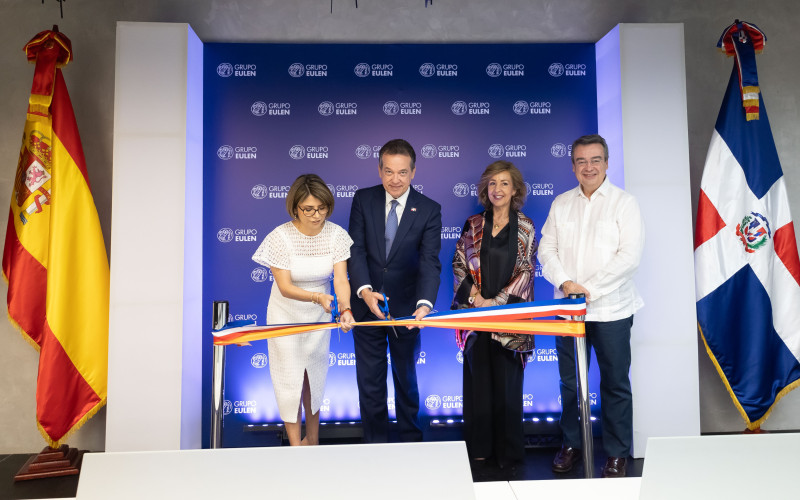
(536, 466)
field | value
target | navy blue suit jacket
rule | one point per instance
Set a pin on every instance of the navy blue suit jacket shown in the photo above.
(411, 271)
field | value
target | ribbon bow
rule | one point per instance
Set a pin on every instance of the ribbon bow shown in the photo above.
(744, 40)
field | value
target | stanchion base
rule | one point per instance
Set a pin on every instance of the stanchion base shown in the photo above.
(51, 462)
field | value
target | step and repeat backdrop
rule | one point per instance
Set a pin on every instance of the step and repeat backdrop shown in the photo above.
(275, 111)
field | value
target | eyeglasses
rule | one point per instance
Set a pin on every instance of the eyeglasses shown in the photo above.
(595, 162)
(309, 212)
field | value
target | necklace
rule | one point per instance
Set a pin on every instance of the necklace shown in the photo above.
(498, 225)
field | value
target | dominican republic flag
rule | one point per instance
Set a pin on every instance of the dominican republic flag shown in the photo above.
(746, 262)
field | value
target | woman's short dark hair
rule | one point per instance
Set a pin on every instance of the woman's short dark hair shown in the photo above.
(518, 199)
(308, 185)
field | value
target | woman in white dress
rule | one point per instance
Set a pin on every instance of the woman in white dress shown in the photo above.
(302, 254)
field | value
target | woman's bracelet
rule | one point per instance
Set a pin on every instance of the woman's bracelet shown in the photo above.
(346, 309)
(313, 294)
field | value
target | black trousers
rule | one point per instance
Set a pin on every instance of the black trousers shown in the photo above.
(611, 341)
(492, 400)
(371, 368)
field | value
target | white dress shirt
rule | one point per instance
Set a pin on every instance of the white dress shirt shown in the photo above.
(596, 243)
(401, 205)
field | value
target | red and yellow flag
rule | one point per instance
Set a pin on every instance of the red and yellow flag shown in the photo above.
(55, 259)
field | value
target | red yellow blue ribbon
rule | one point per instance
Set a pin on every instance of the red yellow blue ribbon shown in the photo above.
(510, 318)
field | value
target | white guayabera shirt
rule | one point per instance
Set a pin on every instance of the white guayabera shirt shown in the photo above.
(596, 243)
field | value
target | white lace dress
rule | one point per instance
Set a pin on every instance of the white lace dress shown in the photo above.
(310, 261)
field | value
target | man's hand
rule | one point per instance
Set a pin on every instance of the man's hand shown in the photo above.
(371, 299)
(420, 313)
(570, 287)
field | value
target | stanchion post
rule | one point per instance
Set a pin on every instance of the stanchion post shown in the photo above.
(220, 319)
(582, 367)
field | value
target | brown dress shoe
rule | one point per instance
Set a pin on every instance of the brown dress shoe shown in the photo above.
(566, 457)
(615, 467)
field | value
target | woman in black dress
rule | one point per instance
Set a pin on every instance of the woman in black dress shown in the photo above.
(492, 266)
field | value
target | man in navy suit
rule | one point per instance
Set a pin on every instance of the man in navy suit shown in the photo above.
(396, 234)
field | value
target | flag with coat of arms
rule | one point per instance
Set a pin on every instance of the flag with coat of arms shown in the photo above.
(54, 258)
(746, 261)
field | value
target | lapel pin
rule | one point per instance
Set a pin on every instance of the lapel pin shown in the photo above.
(413, 209)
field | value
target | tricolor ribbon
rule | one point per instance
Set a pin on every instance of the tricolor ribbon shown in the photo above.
(744, 40)
(509, 318)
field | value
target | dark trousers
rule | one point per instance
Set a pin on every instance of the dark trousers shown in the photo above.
(492, 400)
(611, 341)
(371, 367)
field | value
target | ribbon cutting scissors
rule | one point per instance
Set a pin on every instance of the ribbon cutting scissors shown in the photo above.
(386, 315)
(335, 316)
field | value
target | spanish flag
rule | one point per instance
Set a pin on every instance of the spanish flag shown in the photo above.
(54, 259)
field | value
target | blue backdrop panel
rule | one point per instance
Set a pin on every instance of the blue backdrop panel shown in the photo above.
(275, 111)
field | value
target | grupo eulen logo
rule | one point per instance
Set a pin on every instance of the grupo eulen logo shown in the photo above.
(433, 402)
(479, 108)
(362, 70)
(344, 190)
(316, 70)
(460, 357)
(391, 108)
(225, 152)
(428, 151)
(346, 359)
(296, 70)
(556, 70)
(459, 108)
(365, 151)
(225, 235)
(461, 189)
(513, 70)
(225, 70)
(331, 358)
(427, 70)
(521, 108)
(325, 108)
(451, 232)
(259, 191)
(279, 109)
(541, 189)
(259, 274)
(259, 360)
(278, 191)
(227, 407)
(494, 70)
(259, 108)
(577, 69)
(496, 150)
(558, 150)
(297, 152)
(508, 150)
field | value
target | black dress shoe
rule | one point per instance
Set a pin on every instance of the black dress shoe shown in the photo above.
(566, 458)
(615, 467)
